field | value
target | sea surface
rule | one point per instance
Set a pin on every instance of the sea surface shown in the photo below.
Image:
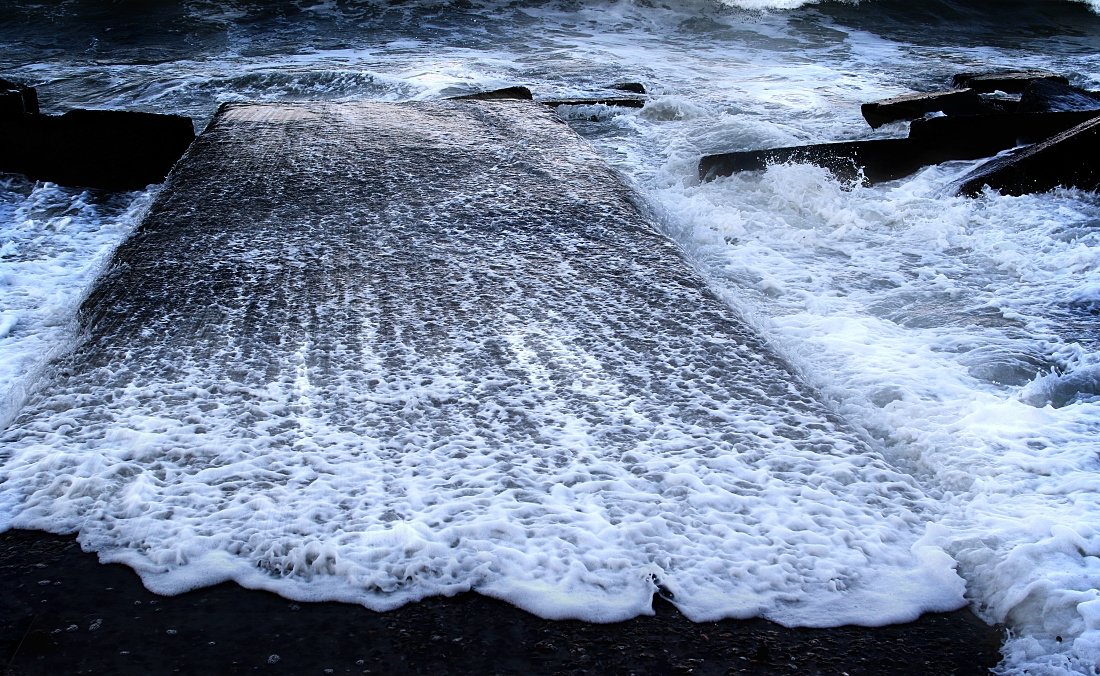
(956, 339)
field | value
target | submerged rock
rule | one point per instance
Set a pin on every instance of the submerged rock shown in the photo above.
(1067, 159)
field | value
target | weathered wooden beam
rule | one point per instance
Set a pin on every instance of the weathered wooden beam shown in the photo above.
(632, 87)
(1050, 110)
(931, 141)
(986, 135)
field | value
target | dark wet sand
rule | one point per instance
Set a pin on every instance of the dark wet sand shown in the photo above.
(62, 612)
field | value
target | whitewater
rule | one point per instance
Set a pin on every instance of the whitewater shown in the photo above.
(954, 341)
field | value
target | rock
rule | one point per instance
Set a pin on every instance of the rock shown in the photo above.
(1008, 81)
(632, 87)
(985, 135)
(873, 161)
(507, 93)
(17, 99)
(1067, 159)
(998, 102)
(931, 141)
(976, 124)
(912, 106)
(107, 149)
(625, 102)
(1048, 96)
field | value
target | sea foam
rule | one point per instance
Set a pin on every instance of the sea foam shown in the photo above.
(937, 326)
(956, 339)
(54, 242)
(471, 365)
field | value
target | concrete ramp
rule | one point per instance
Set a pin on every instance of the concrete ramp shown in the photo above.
(374, 352)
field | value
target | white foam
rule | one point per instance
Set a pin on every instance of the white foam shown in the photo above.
(556, 413)
(55, 242)
(934, 323)
(769, 4)
(957, 335)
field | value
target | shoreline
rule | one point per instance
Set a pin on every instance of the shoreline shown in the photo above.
(64, 612)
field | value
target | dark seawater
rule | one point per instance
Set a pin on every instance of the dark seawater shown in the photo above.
(957, 337)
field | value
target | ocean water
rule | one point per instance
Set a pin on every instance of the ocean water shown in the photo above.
(955, 339)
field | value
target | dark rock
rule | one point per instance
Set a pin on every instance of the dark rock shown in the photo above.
(977, 136)
(17, 99)
(872, 161)
(931, 141)
(1067, 159)
(626, 102)
(11, 103)
(1048, 96)
(1010, 81)
(997, 102)
(912, 106)
(107, 149)
(508, 93)
(975, 125)
(632, 87)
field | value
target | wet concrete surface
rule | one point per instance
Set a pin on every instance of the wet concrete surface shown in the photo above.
(264, 317)
(391, 351)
